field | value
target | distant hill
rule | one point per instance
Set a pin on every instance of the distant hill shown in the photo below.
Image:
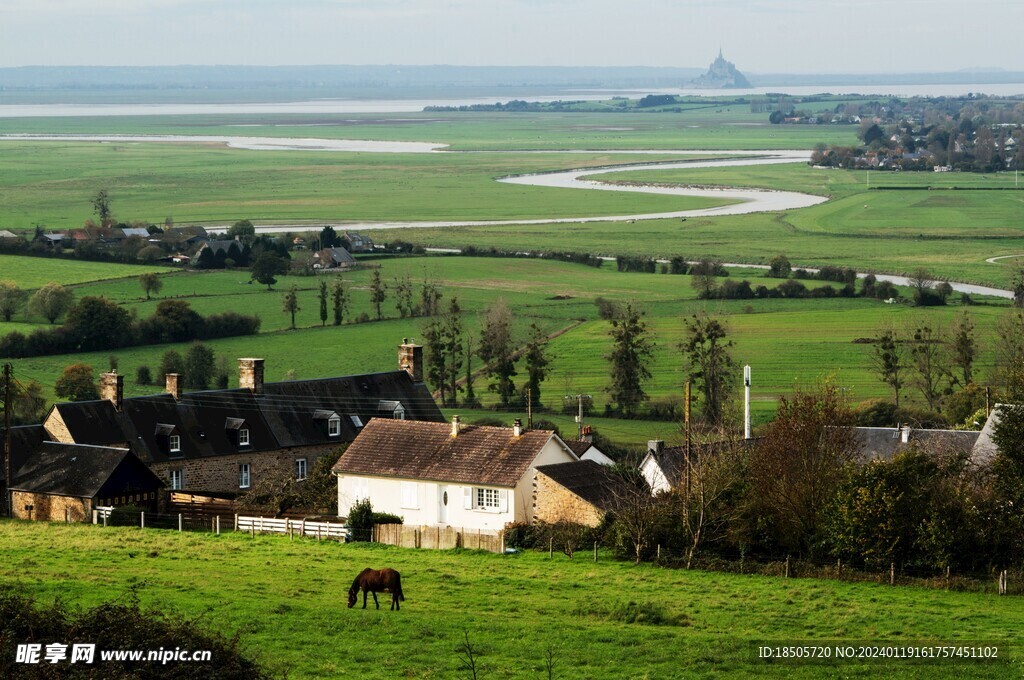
(721, 75)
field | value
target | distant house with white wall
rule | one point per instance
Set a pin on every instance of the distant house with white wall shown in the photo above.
(436, 474)
(585, 450)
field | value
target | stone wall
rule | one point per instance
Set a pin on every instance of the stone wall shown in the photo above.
(552, 502)
(219, 474)
(51, 508)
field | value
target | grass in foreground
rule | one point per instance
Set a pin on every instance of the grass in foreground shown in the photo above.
(601, 620)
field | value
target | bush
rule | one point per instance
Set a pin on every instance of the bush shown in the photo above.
(520, 535)
(360, 520)
(143, 376)
(387, 518)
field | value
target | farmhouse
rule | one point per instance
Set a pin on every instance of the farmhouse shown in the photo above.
(67, 481)
(355, 242)
(585, 450)
(333, 258)
(219, 442)
(474, 477)
(582, 492)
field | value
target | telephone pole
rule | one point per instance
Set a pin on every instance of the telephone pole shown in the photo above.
(8, 407)
(579, 415)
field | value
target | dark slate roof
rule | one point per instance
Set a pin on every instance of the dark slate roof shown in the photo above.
(292, 408)
(80, 471)
(419, 450)
(25, 441)
(97, 421)
(883, 443)
(591, 481)
(283, 415)
(578, 447)
(338, 256)
(672, 459)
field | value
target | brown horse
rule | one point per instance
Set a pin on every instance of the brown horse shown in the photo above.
(377, 581)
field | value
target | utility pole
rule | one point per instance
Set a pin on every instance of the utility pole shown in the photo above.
(746, 402)
(686, 426)
(8, 407)
(579, 415)
(529, 409)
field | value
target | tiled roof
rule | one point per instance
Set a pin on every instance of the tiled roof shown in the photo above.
(421, 450)
(591, 481)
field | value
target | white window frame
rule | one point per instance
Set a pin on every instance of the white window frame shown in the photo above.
(487, 499)
(301, 468)
(174, 443)
(399, 412)
(243, 437)
(360, 489)
(177, 481)
(244, 476)
(410, 495)
(334, 426)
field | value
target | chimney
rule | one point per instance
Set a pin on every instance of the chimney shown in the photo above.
(905, 434)
(587, 435)
(656, 446)
(456, 426)
(410, 359)
(172, 385)
(517, 428)
(250, 374)
(112, 388)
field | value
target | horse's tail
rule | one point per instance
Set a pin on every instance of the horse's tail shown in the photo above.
(398, 586)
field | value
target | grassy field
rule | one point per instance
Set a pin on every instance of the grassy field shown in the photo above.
(33, 272)
(600, 620)
(787, 342)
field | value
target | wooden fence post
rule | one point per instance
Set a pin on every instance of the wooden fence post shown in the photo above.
(892, 573)
(104, 519)
(291, 529)
(95, 516)
(302, 528)
(236, 521)
(947, 577)
(180, 522)
(551, 545)
(218, 525)
(787, 566)
(659, 552)
(142, 520)
(595, 551)
(839, 568)
(1003, 582)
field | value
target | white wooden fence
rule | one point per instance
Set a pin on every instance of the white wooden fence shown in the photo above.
(292, 527)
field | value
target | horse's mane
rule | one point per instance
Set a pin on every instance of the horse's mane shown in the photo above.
(355, 583)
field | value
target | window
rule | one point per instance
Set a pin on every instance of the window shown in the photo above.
(487, 499)
(399, 412)
(243, 437)
(243, 476)
(410, 495)
(174, 443)
(357, 421)
(334, 426)
(177, 480)
(360, 489)
(300, 468)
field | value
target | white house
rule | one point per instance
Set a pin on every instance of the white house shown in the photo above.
(585, 450)
(436, 474)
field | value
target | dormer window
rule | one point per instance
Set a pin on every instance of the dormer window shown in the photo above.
(334, 426)
(243, 437)
(329, 422)
(168, 439)
(174, 443)
(400, 412)
(389, 407)
(237, 431)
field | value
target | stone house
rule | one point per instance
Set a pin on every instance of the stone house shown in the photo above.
(66, 482)
(582, 492)
(219, 442)
(472, 477)
(333, 258)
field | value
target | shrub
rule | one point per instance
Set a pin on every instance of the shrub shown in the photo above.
(143, 376)
(360, 520)
(387, 518)
(520, 535)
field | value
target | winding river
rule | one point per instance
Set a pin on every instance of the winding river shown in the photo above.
(745, 201)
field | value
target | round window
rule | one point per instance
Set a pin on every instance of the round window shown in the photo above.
(444, 499)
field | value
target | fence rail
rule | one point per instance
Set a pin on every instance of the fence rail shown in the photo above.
(438, 538)
(292, 527)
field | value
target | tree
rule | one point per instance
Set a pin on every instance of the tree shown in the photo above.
(150, 283)
(931, 365)
(1008, 465)
(11, 299)
(779, 267)
(536, 363)
(1009, 372)
(451, 328)
(266, 268)
(170, 362)
(704, 278)
(328, 237)
(801, 459)
(709, 364)
(51, 301)
(631, 352)
(97, 323)
(77, 383)
(322, 296)
(199, 366)
(1018, 288)
(377, 291)
(339, 299)
(242, 230)
(101, 206)
(963, 348)
(470, 400)
(923, 283)
(291, 303)
(497, 351)
(889, 362)
(28, 405)
(403, 296)
(434, 356)
(430, 298)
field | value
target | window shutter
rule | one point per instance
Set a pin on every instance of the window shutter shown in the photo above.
(503, 500)
(468, 497)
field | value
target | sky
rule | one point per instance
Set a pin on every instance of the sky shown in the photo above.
(760, 36)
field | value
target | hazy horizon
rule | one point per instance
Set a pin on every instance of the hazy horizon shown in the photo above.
(759, 36)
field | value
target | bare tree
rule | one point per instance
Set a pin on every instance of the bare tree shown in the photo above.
(638, 515)
(931, 365)
(889, 361)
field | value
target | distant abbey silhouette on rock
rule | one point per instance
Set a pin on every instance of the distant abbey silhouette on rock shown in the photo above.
(721, 74)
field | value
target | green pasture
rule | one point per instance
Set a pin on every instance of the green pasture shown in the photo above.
(34, 272)
(609, 619)
(786, 341)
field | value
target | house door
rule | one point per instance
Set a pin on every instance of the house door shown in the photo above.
(442, 504)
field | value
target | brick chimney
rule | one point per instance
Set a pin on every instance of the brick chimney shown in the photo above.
(410, 359)
(172, 385)
(456, 426)
(250, 374)
(112, 388)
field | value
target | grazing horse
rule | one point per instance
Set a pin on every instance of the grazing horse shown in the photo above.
(377, 581)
